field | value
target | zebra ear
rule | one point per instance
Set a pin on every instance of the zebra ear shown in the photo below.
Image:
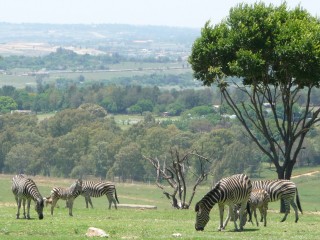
(196, 207)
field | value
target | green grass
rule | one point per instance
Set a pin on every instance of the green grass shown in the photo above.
(149, 224)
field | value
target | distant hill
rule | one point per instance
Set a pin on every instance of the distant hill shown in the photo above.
(95, 36)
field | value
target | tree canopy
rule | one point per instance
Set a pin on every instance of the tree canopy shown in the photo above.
(275, 54)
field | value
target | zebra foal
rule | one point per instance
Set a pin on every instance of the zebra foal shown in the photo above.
(98, 189)
(25, 189)
(260, 199)
(229, 191)
(68, 194)
(281, 189)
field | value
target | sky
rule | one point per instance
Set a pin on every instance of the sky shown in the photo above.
(179, 13)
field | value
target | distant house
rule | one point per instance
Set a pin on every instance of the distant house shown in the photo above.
(21, 111)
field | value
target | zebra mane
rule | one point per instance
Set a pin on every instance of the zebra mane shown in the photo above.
(217, 185)
(211, 198)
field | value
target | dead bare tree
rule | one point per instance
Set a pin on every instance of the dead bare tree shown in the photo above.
(175, 175)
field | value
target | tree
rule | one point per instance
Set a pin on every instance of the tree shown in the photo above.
(128, 163)
(175, 173)
(145, 105)
(7, 104)
(275, 54)
(23, 158)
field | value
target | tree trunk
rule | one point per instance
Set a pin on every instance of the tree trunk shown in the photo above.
(281, 173)
(288, 170)
(285, 174)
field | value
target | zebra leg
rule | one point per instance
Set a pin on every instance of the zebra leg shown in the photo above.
(28, 208)
(90, 202)
(287, 209)
(221, 211)
(255, 215)
(265, 215)
(293, 204)
(111, 200)
(261, 214)
(230, 215)
(54, 202)
(19, 206)
(114, 202)
(86, 202)
(70, 203)
(24, 207)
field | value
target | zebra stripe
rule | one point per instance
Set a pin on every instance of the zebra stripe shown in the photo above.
(25, 189)
(68, 194)
(260, 199)
(98, 189)
(281, 189)
(229, 191)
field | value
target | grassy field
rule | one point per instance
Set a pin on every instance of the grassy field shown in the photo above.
(124, 121)
(161, 223)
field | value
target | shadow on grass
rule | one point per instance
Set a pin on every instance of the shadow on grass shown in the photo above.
(250, 229)
(232, 230)
(28, 219)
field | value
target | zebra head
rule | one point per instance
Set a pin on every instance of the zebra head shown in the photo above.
(202, 216)
(78, 186)
(236, 212)
(39, 207)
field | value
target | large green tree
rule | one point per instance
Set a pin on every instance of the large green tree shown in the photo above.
(275, 54)
(7, 104)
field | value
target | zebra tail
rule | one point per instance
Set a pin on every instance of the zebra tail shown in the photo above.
(298, 201)
(115, 194)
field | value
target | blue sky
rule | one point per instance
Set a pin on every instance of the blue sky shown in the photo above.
(184, 13)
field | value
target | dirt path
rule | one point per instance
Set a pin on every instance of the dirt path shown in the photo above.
(305, 174)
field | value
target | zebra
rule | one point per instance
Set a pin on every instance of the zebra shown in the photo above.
(98, 189)
(260, 199)
(281, 189)
(229, 191)
(68, 194)
(25, 189)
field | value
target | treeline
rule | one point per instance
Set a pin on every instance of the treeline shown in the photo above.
(64, 59)
(115, 99)
(127, 98)
(85, 141)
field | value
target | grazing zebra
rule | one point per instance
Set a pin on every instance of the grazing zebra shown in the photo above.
(25, 189)
(260, 199)
(229, 191)
(281, 189)
(98, 189)
(68, 194)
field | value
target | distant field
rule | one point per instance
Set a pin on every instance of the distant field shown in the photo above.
(19, 78)
(37, 49)
(150, 224)
(124, 121)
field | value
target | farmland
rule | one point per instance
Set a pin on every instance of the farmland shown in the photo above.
(150, 224)
(20, 78)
